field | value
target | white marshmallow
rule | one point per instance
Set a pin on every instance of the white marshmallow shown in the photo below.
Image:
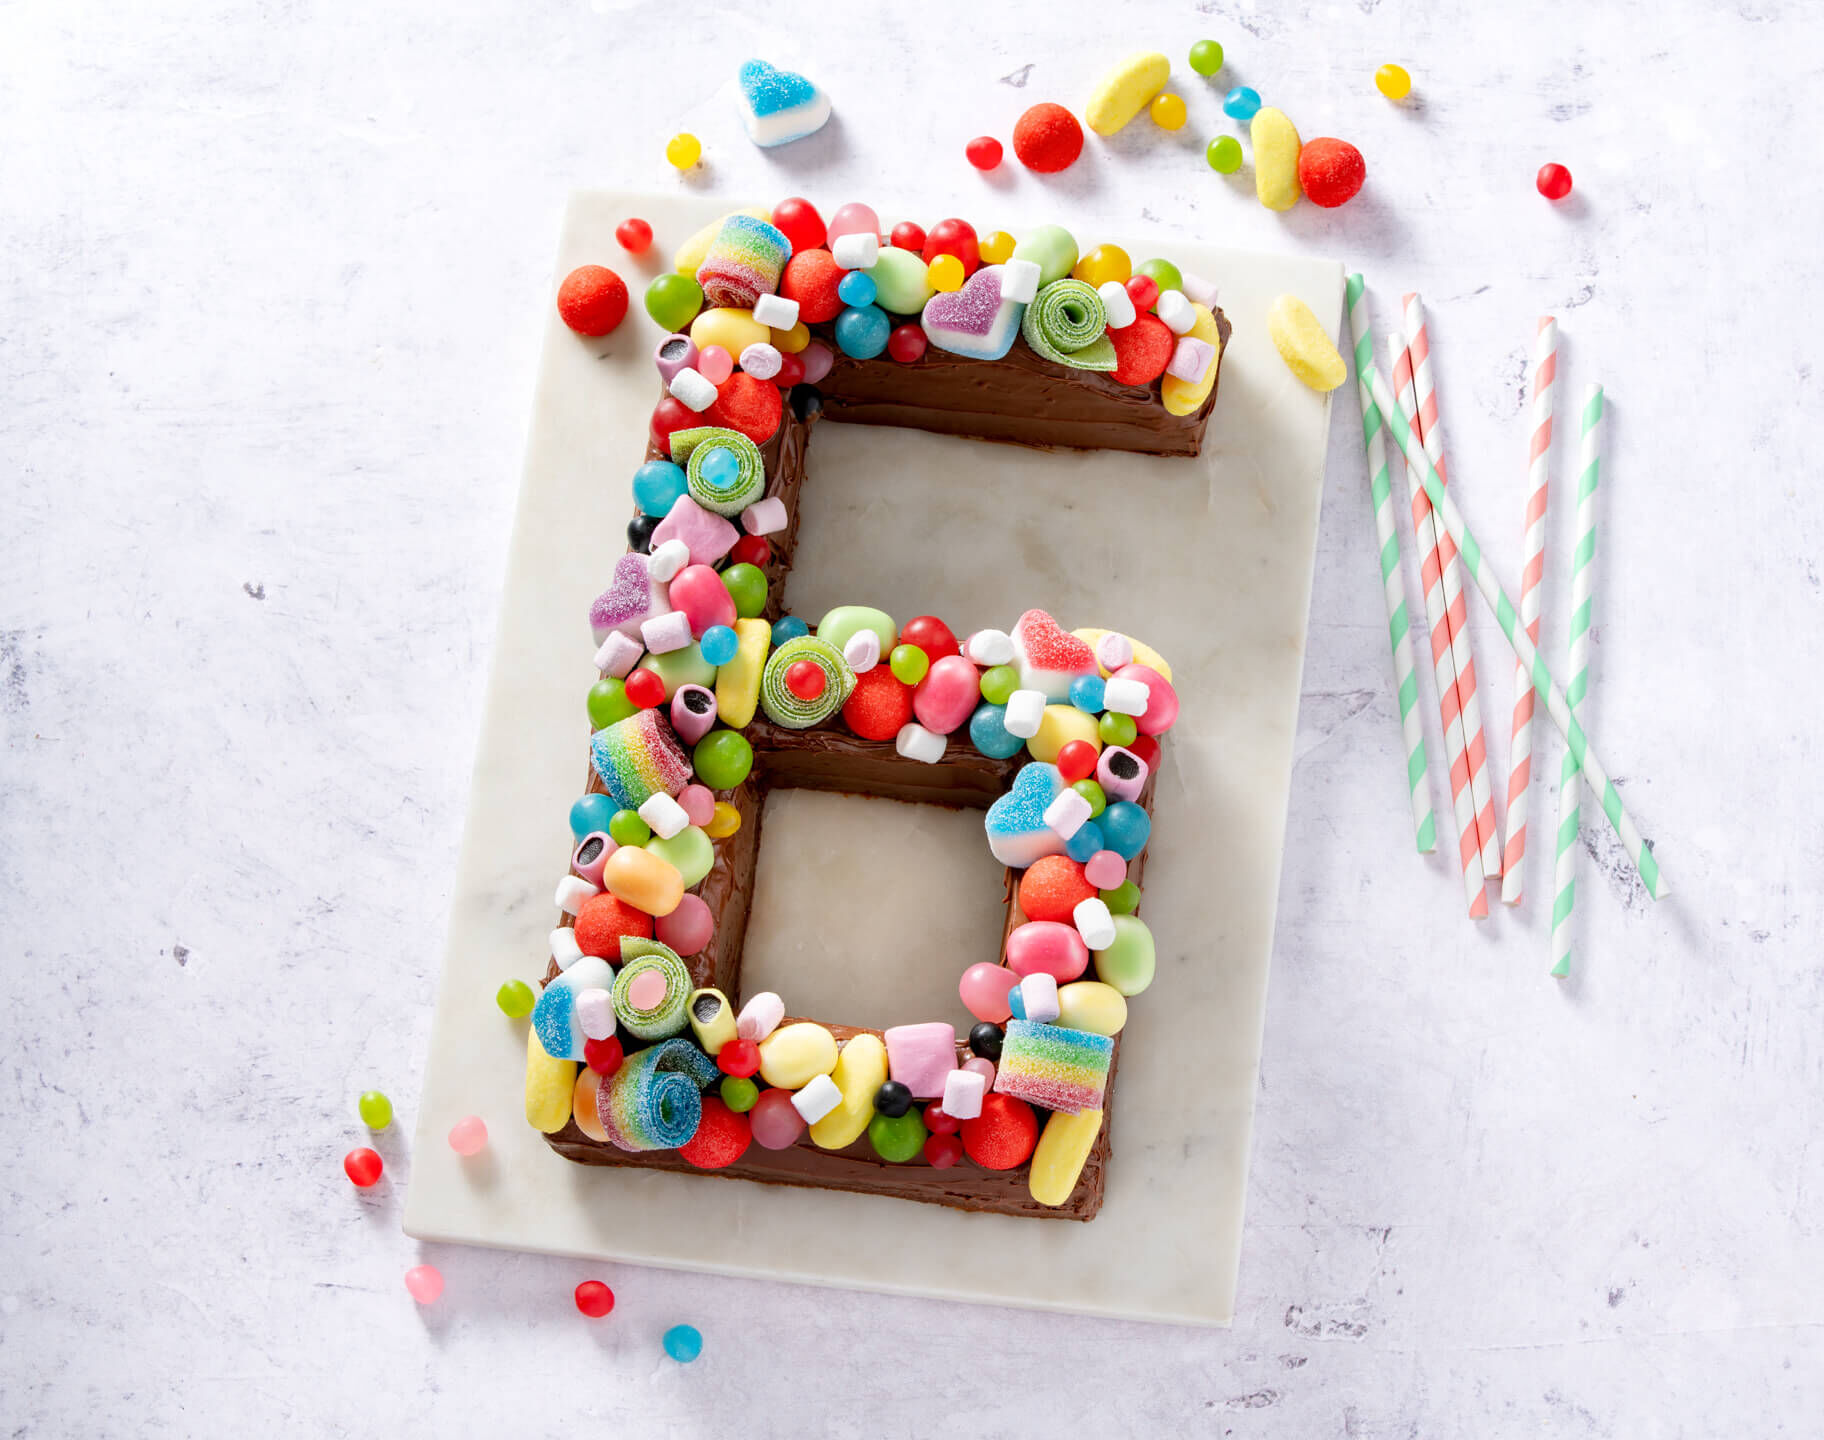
(1039, 994)
(764, 517)
(776, 312)
(665, 815)
(1118, 303)
(760, 1016)
(668, 557)
(856, 252)
(619, 654)
(963, 1091)
(595, 1013)
(989, 647)
(692, 388)
(1113, 651)
(572, 890)
(1025, 709)
(1066, 814)
(862, 652)
(917, 743)
(1199, 289)
(1126, 696)
(817, 1099)
(1094, 923)
(667, 632)
(760, 360)
(564, 948)
(1174, 309)
(1019, 281)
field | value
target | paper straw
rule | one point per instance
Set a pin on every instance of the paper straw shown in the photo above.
(1444, 672)
(1525, 651)
(1456, 604)
(1583, 565)
(1399, 628)
(1520, 770)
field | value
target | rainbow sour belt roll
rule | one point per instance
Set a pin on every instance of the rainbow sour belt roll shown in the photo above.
(655, 1100)
(637, 758)
(1054, 1067)
(743, 263)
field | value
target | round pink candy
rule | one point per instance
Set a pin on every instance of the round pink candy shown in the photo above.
(1047, 947)
(699, 592)
(984, 990)
(1105, 870)
(688, 928)
(817, 359)
(853, 219)
(715, 364)
(646, 991)
(469, 1135)
(1162, 706)
(699, 805)
(982, 1066)
(425, 1283)
(948, 695)
(776, 1121)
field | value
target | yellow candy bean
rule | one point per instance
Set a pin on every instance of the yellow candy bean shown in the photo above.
(860, 1071)
(946, 274)
(1185, 397)
(1144, 654)
(643, 880)
(738, 682)
(794, 1055)
(1058, 727)
(996, 246)
(1168, 111)
(548, 1086)
(1063, 1146)
(715, 1027)
(582, 1101)
(734, 330)
(1104, 263)
(1124, 91)
(1093, 1006)
(724, 821)
(1276, 146)
(790, 342)
(1302, 343)
(689, 257)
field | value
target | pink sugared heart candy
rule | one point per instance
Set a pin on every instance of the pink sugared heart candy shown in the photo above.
(1047, 947)
(699, 592)
(469, 1135)
(948, 695)
(984, 990)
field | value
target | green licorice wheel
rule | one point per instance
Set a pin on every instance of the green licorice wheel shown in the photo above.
(792, 711)
(729, 495)
(1068, 324)
(669, 1016)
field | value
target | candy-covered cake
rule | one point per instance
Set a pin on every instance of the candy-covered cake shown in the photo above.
(643, 1049)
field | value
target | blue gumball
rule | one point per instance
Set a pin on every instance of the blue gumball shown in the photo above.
(1086, 693)
(720, 468)
(1086, 842)
(988, 732)
(862, 330)
(788, 627)
(591, 813)
(1125, 828)
(657, 485)
(857, 288)
(719, 644)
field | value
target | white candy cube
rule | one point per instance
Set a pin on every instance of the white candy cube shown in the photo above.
(1126, 696)
(817, 1099)
(917, 743)
(564, 948)
(776, 312)
(989, 647)
(668, 558)
(692, 388)
(572, 890)
(1019, 281)
(1039, 994)
(1067, 813)
(963, 1091)
(856, 252)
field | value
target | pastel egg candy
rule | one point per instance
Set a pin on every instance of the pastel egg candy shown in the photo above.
(861, 1069)
(779, 106)
(1161, 711)
(793, 1054)
(583, 1101)
(690, 927)
(1015, 822)
(1053, 249)
(550, 1084)
(738, 680)
(1058, 1158)
(731, 328)
(1276, 148)
(1124, 91)
(902, 281)
(644, 880)
(1092, 1005)
(840, 625)
(947, 696)
(1186, 397)
(984, 990)
(1054, 1067)
(1062, 725)
(1048, 657)
(638, 758)
(776, 1123)
(1128, 963)
(689, 256)
(980, 320)
(1048, 947)
(1304, 345)
(632, 598)
(689, 851)
(555, 1017)
(1127, 650)
(680, 667)
(920, 1056)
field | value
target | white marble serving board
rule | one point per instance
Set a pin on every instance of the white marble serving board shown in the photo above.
(1209, 560)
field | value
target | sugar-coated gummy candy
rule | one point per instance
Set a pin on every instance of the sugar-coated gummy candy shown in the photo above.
(363, 1166)
(1224, 154)
(1276, 147)
(1051, 888)
(984, 990)
(424, 1283)
(879, 706)
(592, 300)
(1206, 58)
(1047, 138)
(898, 1138)
(1142, 350)
(469, 1135)
(1124, 90)
(1003, 1135)
(1330, 171)
(1168, 111)
(673, 300)
(775, 1122)
(1554, 181)
(1241, 103)
(683, 150)
(683, 1343)
(1393, 82)
(797, 219)
(722, 1137)
(594, 1299)
(375, 1109)
(812, 278)
(1305, 346)
(515, 999)
(738, 1093)
(862, 331)
(983, 152)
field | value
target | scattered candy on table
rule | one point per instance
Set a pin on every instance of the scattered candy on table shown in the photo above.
(1554, 181)
(1224, 154)
(1305, 345)
(469, 1135)
(1241, 103)
(424, 1283)
(779, 106)
(1206, 58)
(376, 1110)
(592, 300)
(1276, 147)
(594, 1299)
(683, 150)
(1330, 171)
(1168, 111)
(1393, 82)
(634, 236)
(683, 1343)
(1125, 91)
(983, 152)
(1047, 138)
(363, 1166)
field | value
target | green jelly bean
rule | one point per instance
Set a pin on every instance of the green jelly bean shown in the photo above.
(1116, 729)
(1124, 899)
(673, 301)
(999, 683)
(1163, 273)
(608, 702)
(909, 664)
(376, 1110)
(1092, 792)
(746, 586)
(626, 828)
(515, 999)
(739, 1093)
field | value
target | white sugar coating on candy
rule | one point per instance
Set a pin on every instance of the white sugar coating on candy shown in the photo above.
(915, 742)
(989, 647)
(1025, 711)
(668, 559)
(963, 1091)
(1039, 994)
(855, 252)
(554, 1019)
(693, 389)
(1176, 310)
(817, 1099)
(760, 361)
(979, 321)
(1118, 303)
(1126, 696)
(776, 312)
(760, 1016)
(1094, 924)
(595, 1013)
(664, 815)
(862, 652)
(564, 948)
(667, 632)
(1112, 652)
(633, 595)
(618, 655)
(1020, 281)
(1190, 359)
(572, 890)
(1015, 823)
(764, 517)
(1067, 813)
(779, 106)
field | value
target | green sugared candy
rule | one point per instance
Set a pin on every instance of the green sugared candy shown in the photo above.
(1224, 154)
(608, 702)
(1129, 962)
(1124, 899)
(1163, 273)
(901, 283)
(1206, 58)
(723, 759)
(689, 852)
(681, 667)
(739, 1093)
(1053, 249)
(515, 998)
(673, 300)
(898, 1138)
(845, 622)
(747, 588)
(1116, 729)
(909, 664)
(999, 683)
(626, 828)
(376, 1110)
(1092, 792)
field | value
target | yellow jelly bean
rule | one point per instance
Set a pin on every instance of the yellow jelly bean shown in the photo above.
(1393, 82)
(1302, 343)
(794, 1055)
(738, 682)
(1168, 111)
(1059, 725)
(860, 1071)
(1186, 397)
(946, 274)
(683, 150)
(790, 342)
(712, 1019)
(689, 256)
(995, 247)
(548, 1086)
(734, 330)
(1276, 145)
(1144, 654)
(643, 880)
(1104, 263)
(1063, 1146)
(1122, 93)
(582, 1102)
(724, 821)
(1093, 1006)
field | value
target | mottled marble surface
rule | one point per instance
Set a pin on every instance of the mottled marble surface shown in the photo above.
(272, 289)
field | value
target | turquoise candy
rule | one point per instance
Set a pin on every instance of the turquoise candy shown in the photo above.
(988, 732)
(1052, 248)
(901, 282)
(788, 627)
(591, 813)
(657, 485)
(846, 621)
(1086, 842)
(862, 331)
(1126, 827)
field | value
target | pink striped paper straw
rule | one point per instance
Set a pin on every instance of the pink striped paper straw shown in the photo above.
(1456, 603)
(1450, 713)
(1520, 772)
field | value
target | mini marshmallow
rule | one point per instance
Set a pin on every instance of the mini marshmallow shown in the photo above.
(595, 1013)
(1025, 709)
(1126, 696)
(664, 815)
(668, 558)
(1190, 359)
(1019, 281)
(1118, 303)
(776, 312)
(619, 654)
(817, 1099)
(1067, 813)
(1039, 994)
(564, 948)
(1094, 924)
(963, 1091)
(1112, 652)
(1199, 289)
(760, 1016)
(764, 517)
(691, 387)
(760, 360)
(572, 891)
(862, 652)
(856, 252)
(1171, 307)
(667, 632)
(989, 647)
(915, 742)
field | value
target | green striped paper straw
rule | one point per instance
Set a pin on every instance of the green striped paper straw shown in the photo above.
(1399, 629)
(1524, 650)
(1583, 558)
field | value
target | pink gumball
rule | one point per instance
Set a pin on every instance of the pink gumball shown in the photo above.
(984, 990)
(776, 1121)
(425, 1283)
(699, 592)
(715, 364)
(1047, 947)
(948, 695)
(853, 219)
(469, 1135)
(1105, 870)
(688, 928)
(982, 1066)
(1161, 708)
(817, 358)
(699, 805)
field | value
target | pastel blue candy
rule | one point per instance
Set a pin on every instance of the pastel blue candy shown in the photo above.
(554, 1017)
(719, 644)
(1086, 842)
(862, 330)
(657, 485)
(778, 106)
(1125, 828)
(721, 467)
(1086, 693)
(788, 627)
(1017, 832)
(592, 812)
(683, 1343)
(988, 732)
(1241, 103)
(857, 288)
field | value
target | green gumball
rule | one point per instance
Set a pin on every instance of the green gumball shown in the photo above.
(608, 702)
(747, 588)
(723, 759)
(898, 1138)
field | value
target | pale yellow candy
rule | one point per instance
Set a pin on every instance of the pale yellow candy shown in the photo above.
(644, 880)
(1186, 397)
(1276, 146)
(582, 1101)
(738, 682)
(1093, 1006)
(689, 852)
(790, 342)
(1058, 727)
(1125, 91)
(734, 330)
(794, 1055)
(860, 1071)
(719, 1028)
(1144, 654)
(1063, 1146)
(548, 1086)
(689, 257)
(1299, 337)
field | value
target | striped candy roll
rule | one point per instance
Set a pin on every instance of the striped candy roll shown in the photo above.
(743, 262)
(1443, 661)
(1583, 566)
(660, 1015)
(1399, 628)
(1052, 1066)
(637, 758)
(717, 486)
(655, 1100)
(783, 705)
(1556, 705)
(1456, 604)
(1520, 769)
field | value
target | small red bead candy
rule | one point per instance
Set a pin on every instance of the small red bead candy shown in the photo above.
(751, 550)
(806, 679)
(800, 223)
(983, 152)
(363, 1167)
(593, 299)
(668, 415)
(603, 1056)
(906, 343)
(908, 235)
(791, 371)
(1077, 760)
(1147, 748)
(943, 1151)
(635, 236)
(739, 1057)
(1554, 181)
(1143, 290)
(594, 1299)
(954, 237)
(931, 635)
(645, 689)
(938, 1123)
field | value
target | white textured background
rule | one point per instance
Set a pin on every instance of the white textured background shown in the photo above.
(272, 283)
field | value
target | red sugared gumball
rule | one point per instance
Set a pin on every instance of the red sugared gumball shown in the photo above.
(634, 235)
(1330, 171)
(799, 222)
(879, 706)
(791, 371)
(722, 1137)
(1147, 748)
(811, 277)
(604, 920)
(1052, 888)
(1077, 760)
(743, 403)
(668, 415)
(1142, 350)
(603, 1056)
(1554, 181)
(1143, 290)
(751, 550)
(938, 1123)
(645, 689)
(983, 152)
(906, 343)
(954, 237)
(363, 1167)
(1048, 139)
(739, 1057)
(805, 679)
(931, 635)
(908, 235)
(1003, 1135)
(943, 1151)
(594, 1299)
(592, 300)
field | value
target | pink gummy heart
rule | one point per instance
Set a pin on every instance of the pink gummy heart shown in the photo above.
(971, 310)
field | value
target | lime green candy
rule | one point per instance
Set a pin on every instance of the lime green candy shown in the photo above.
(673, 301)
(1224, 154)
(901, 281)
(845, 622)
(689, 852)
(1128, 963)
(1163, 273)
(746, 586)
(999, 683)
(608, 702)
(739, 1093)
(1092, 792)
(723, 759)
(898, 1138)
(1116, 729)
(1052, 248)
(626, 828)
(376, 1110)
(681, 667)
(1206, 58)
(909, 664)
(515, 998)
(1124, 899)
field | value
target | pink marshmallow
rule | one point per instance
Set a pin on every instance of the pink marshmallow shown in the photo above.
(705, 534)
(963, 1091)
(764, 517)
(618, 655)
(1190, 359)
(667, 632)
(920, 1056)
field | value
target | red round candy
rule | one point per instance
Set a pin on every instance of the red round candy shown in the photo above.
(811, 277)
(645, 689)
(604, 920)
(1330, 171)
(668, 415)
(1554, 181)
(799, 222)
(1147, 748)
(906, 343)
(722, 1137)
(743, 403)
(1052, 888)
(930, 635)
(751, 550)
(592, 300)
(983, 152)
(1142, 350)
(939, 1123)
(805, 679)
(635, 236)
(954, 237)
(1048, 139)
(594, 1299)
(943, 1151)
(791, 371)
(603, 1056)
(1077, 760)
(363, 1167)
(1143, 290)
(908, 235)
(1003, 1135)
(739, 1057)
(879, 706)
